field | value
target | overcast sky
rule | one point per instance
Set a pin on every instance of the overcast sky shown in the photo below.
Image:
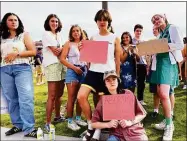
(124, 14)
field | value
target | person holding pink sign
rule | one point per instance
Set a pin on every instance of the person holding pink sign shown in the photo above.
(120, 130)
(76, 72)
(94, 78)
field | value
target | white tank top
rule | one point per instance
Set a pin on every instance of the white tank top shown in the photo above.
(110, 64)
(13, 45)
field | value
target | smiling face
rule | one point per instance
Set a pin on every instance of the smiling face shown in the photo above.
(12, 22)
(126, 39)
(76, 33)
(111, 83)
(158, 20)
(53, 23)
(138, 32)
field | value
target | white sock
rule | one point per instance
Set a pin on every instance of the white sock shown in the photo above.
(172, 113)
(96, 134)
(156, 110)
(89, 125)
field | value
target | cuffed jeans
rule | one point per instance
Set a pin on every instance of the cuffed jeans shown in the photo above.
(17, 86)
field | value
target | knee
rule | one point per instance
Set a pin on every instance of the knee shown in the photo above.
(81, 98)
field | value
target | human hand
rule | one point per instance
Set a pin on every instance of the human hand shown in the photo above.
(125, 123)
(80, 45)
(9, 58)
(56, 51)
(78, 70)
(112, 124)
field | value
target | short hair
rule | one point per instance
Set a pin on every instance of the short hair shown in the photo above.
(4, 31)
(128, 34)
(103, 13)
(138, 26)
(47, 26)
(71, 30)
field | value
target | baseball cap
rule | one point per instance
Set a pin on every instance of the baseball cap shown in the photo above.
(109, 73)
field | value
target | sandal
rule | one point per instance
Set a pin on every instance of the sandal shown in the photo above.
(32, 134)
(12, 131)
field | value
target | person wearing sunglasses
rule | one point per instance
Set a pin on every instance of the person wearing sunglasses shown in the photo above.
(164, 68)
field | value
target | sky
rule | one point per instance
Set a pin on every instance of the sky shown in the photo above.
(124, 15)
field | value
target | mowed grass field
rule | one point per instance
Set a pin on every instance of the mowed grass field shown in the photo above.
(40, 98)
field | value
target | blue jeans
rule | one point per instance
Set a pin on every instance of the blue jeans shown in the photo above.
(113, 138)
(17, 86)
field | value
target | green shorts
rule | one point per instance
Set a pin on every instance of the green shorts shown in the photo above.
(55, 72)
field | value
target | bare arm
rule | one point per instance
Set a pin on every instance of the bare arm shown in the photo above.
(101, 125)
(63, 60)
(117, 55)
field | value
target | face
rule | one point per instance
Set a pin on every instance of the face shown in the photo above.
(138, 32)
(12, 22)
(111, 83)
(158, 20)
(102, 24)
(53, 23)
(155, 31)
(76, 33)
(126, 39)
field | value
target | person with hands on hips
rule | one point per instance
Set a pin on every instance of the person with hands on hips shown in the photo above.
(130, 130)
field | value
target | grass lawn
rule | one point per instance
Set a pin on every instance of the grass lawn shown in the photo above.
(40, 95)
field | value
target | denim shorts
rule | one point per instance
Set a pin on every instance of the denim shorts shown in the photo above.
(72, 76)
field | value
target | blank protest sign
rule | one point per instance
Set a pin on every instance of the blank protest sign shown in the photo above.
(94, 51)
(118, 106)
(153, 47)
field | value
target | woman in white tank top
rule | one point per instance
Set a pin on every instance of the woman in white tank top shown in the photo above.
(76, 72)
(94, 79)
(16, 74)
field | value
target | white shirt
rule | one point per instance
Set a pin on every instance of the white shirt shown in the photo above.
(49, 39)
(175, 46)
(110, 64)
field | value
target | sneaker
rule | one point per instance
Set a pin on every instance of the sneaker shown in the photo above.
(47, 128)
(161, 125)
(59, 119)
(143, 103)
(168, 133)
(81, 122)
(12, 131)
(184, 87)
(89, 135)
(154, 114)
(32, 134)
(73, 126)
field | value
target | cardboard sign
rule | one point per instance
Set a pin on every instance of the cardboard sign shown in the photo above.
(119, 106)
(153, 47)
(94, 51)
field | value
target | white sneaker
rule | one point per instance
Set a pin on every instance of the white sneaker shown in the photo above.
(184, 87)
(143, 103)
(73, 126)
(81, 122)
(168, 133)
(161, 125)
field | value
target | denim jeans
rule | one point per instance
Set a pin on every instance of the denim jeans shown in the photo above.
(17, 86)
(113, 138)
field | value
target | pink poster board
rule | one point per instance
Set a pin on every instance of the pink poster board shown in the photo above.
(94, 51)
(119, 106)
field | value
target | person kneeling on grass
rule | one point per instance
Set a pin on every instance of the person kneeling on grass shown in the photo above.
(123, 129)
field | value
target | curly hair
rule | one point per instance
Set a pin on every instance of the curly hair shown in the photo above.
(4, 30)
(47, 26)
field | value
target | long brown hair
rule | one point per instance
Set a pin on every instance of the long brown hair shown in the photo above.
(71, 30)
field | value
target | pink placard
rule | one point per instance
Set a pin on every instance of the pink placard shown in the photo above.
(119, 106)
(94, 51)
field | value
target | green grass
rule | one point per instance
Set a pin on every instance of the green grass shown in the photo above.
(40, 95)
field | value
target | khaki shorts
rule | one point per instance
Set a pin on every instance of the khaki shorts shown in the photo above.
(55, 72)
(38, 69)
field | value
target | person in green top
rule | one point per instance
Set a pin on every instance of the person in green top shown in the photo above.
(165, 70)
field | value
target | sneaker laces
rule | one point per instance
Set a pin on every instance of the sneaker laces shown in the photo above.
(168, 130)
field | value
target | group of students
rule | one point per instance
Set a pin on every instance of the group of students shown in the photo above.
(123, 69)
